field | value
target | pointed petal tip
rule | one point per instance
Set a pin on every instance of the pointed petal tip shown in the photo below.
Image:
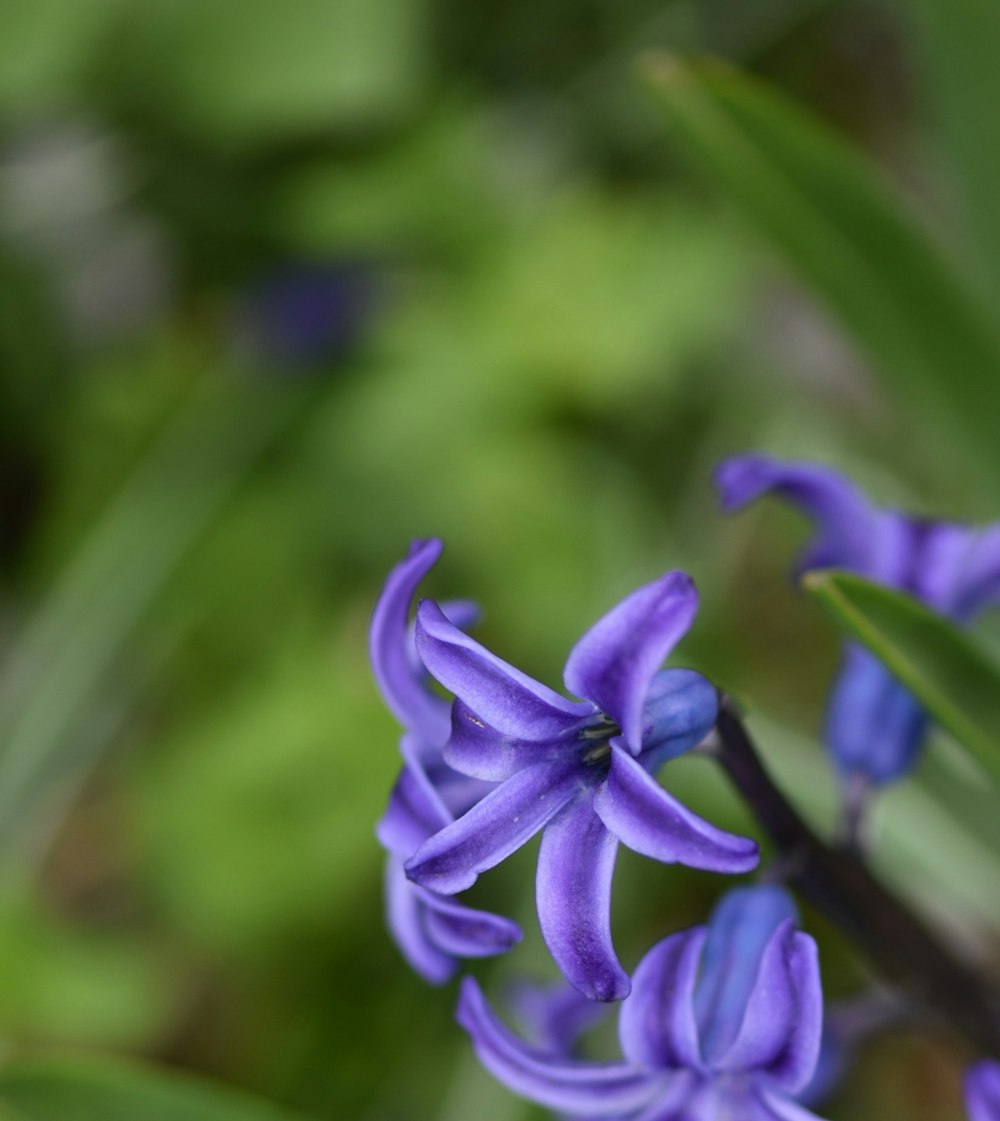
(739, 479)
(428, 547)
(424, 870)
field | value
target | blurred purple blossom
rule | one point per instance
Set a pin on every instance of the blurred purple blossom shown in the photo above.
(301, 316)
(874, 726)
(982, 1091)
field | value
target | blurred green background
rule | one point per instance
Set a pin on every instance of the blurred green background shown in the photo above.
(283, 285)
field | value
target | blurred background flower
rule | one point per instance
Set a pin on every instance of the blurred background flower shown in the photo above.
(283, 286)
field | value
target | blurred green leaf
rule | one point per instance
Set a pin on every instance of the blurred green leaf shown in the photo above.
(257, 820)
(959, 40)
(45, 46)
(825, 209)
(106, 1090)
(948, 672)
(254, 71)
(80, 984)
(57, 664)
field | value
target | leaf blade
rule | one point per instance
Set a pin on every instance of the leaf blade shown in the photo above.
(943, 667)
(828, 213)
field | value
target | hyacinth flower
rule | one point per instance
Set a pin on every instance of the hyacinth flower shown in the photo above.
(982, 1091)
(556, 1017)
(432, 931)
(874, 726)
(723, 1021)
(580, 771)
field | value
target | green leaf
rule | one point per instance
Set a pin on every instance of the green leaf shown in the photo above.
(108, 1090)
(948, 672)
(958, 40)
(826, 210)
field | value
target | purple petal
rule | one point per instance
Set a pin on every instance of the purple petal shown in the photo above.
(479, 750)
(977, 582)
(504, 820)
(846, 523)
(500, 695)
(404, 917)
(873, 725)
(765, 1105)
(982, 1091)
(556, 1016)
(740, 930)
(783, 1023)
(576, 862)
(657, 1027)
(463, 931)
(680, 710)
(586, 1089)
(415, 812)
(634, 806)
(685, 1097)
(413, 705)
(614, 662)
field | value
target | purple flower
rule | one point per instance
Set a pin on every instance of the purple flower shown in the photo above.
(303, 315)
(431, 930)
(982, 1091)
(555, 1017)
(580, 770)
(722, 1021)
(874, 726)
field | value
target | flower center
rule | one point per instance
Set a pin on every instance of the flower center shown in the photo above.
(596, 739)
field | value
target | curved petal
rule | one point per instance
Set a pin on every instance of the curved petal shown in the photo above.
(683, 1096)
(680, 710)
(982, 1091)
(582, 1088)
(642, 815)
(404, 917)
(765, 1105)
(415, 812)
(657, 1027)
(874, 726)
(977, 583)
(463, 931)
(556, 1016)
(414, 706)
(504, 820)
(739, 931)
(500, 695)
(846, 523)
(783, 1023)
(477, 749)
(614, 662)
(576, 862)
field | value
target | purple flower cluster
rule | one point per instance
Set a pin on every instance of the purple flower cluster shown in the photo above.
(719, 1021)
(722, 1021)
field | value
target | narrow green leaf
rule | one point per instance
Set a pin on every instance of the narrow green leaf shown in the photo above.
(113, 1090)
(958, 41)
(949, 673)
(827, 211)
(67, 649)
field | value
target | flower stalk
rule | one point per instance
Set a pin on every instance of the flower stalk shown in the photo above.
(839, 883)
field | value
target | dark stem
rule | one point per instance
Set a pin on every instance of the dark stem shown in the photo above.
(838, 883)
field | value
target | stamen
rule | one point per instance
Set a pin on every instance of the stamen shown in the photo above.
(597, 754)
